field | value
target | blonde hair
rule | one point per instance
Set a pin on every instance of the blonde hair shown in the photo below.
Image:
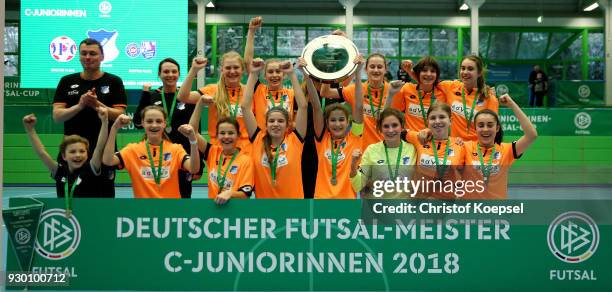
(221, 97)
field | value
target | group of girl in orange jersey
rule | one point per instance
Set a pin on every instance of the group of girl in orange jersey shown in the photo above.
(362, 132)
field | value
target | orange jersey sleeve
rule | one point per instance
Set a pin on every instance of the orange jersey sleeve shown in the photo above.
(497, 186)
(324, 188)
(288, 173)
(135, 160)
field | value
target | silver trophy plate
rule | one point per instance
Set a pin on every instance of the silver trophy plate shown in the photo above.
(330, 58)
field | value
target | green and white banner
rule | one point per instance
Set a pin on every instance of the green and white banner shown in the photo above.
(322, 245)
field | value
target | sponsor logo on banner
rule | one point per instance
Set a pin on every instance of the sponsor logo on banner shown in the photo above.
(58, 236)
(63, 49)
(132, 50)
(148, 49)
(105, 8)
(108, 39)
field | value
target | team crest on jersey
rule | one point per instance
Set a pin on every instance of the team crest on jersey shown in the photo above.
(412, 97)
(167, 156)
(380, 161)
(142, 157)
(147, 173)
(405, 160)
(180, 106)
(451, 152)
(497, 155)
(158, 102)
(73, 86)
(328, 154)
(480, 103)
(105, 89)
(233, 169)
(282, 160)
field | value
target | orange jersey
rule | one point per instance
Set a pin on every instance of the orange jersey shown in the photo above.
(235, 97)
(497, 187)
(427, 162)
(264, 99)
(288, 172)
(324, 188)
(407, 101)
(370, 134)
(453, 91)
(135, 160)
(238, 175)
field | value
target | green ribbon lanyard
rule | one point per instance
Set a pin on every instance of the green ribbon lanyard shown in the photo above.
(334, 160)
(272, 99)
(433, 99)
(221, 179)
(468, 118)
(397, 161)
(486, 170)
(274, 164)
(323, 99)
(233, 112)
(375, 111)
(440, 169)
(169, 111)
(156, 175)
(70, 194)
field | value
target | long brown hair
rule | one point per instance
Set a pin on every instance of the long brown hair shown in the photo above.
(480, 82)
(221, 98)
(267, 139)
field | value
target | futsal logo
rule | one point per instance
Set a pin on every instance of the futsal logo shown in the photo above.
(502, 89)
(584, 91)
(58, 236)
(105, 8)
(22, 236)
(62, 49)
(582, 120)
(573, 237)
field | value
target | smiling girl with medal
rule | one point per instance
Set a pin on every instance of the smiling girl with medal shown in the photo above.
(154, 162)
(488, 159)
(74, 179)
(178, 112)
(441, 158)
(469, 96)
(374, 90)
(334, 142)
(276, 150)
(223, 99)
(230, 171)
(387, 160)
(415, 99)
(271, 94)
